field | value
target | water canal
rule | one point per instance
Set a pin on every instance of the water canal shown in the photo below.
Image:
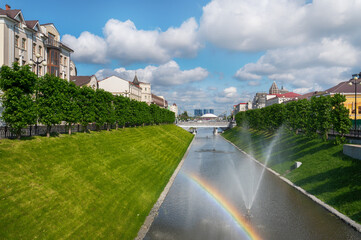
(210, 195)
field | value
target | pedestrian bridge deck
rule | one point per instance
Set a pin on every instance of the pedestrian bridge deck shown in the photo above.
(205, 124)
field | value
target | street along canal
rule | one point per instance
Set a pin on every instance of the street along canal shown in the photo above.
(220, 193)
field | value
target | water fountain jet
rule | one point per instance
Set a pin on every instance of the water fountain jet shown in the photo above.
(250, 184)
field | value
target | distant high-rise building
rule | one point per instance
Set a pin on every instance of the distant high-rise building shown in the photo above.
(197, 112)
(200, 112)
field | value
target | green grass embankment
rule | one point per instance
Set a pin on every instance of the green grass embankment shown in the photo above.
(86, 186)
(325, 171)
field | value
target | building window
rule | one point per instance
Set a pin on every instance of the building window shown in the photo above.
(40, 50)
(64, 61)
(23, 63)
(359, 109)
(16, 41)
(40, 70)
(61, 59)
(34, 48)
(23, 43)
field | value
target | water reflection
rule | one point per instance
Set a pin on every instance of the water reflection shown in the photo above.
(208, 200)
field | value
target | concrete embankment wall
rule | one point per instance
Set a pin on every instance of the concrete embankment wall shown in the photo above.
(352, 150)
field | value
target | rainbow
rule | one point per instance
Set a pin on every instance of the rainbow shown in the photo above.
(226, 205)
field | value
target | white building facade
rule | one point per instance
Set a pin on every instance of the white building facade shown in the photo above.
(23, 41)
(119, 86)
(174, 108)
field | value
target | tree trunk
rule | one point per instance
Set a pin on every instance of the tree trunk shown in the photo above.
(116, 126)
(69, 130)
(297, 131)
(108, 127)
(18, 134)
(48, 128)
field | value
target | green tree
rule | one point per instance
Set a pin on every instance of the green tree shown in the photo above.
(321, 118)
(51, 100)
(18, 84)
(184, 116)
(297, 113)
(121, 110)
(103, 103)
(70, 107)
(340, 117)
(86, 103)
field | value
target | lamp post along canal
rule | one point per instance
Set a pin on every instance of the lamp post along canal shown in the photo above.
(38, 62)
(354, 81)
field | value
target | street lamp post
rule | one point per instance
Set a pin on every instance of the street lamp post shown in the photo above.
(354, 81)
(38, 62)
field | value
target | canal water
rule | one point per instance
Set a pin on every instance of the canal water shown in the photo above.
(209, 196)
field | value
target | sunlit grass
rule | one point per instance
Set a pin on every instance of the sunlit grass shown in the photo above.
(97, 185)
(325, 171)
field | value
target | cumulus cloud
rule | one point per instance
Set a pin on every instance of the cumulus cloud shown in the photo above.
(228, 95)
(167, 74)
(247, 25)
(326, 62)
(122, 41)
(88, 48)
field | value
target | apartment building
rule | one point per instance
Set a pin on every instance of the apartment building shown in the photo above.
(28, 41)
(119, 86)
(160, 101)
(146, 92)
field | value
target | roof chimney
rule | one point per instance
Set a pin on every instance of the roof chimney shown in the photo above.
(7, 7)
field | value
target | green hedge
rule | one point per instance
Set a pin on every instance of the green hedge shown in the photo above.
(50, 100)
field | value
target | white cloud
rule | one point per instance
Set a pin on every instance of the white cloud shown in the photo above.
(228, 95)
(326, 62)
(87, 48)
(125, 43)
(247, 25)
(167, 74)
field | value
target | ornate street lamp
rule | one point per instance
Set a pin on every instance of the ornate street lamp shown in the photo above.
(37, 62)
(354, 81)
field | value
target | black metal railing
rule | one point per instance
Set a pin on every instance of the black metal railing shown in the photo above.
(5, 132)
(52, 42)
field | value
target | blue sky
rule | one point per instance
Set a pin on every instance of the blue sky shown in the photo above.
(210, 54)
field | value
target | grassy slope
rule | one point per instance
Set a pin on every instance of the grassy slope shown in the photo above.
(98, 185)
(325, 172)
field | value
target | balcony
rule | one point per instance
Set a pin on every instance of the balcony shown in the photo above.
(52, 43)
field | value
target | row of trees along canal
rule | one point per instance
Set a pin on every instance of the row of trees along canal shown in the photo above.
(312, 117)
(50, 100)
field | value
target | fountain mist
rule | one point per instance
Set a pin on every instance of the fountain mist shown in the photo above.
(251, 177)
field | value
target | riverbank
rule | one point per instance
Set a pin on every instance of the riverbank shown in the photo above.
(325, 171)
(98, 185)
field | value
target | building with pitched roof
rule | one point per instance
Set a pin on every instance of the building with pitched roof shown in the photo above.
(160, 101)
(89, 81)
(23, 40)
(120, 86)
(280, 98)
(146, 92)
(347, 89)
